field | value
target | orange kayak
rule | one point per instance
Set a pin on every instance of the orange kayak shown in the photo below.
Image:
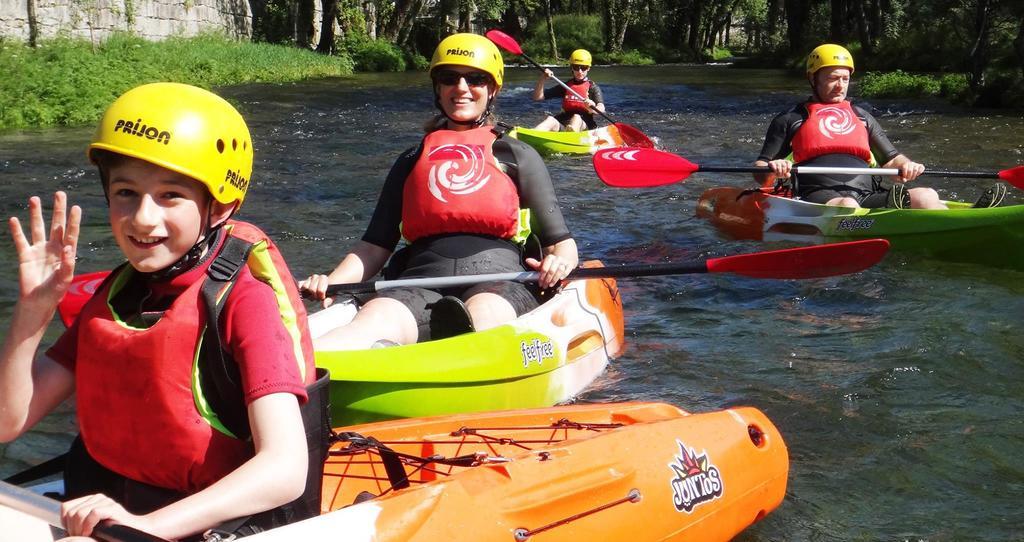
(631, 471)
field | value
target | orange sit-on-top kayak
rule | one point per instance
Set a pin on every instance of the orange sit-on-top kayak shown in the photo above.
(633, 471)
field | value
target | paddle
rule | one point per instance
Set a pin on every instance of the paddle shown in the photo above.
(48, 510)
(791, 263)
(631, 136)
(642, 168)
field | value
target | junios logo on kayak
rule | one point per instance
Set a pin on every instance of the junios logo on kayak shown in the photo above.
(696, 480)
(536, 350)
(460, 171)
(835, 120)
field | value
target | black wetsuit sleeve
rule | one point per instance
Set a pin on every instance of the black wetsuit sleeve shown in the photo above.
(595, 93)
(778, 139)
(556, 91)
(881, 147)
(384, 228)
(536, 191)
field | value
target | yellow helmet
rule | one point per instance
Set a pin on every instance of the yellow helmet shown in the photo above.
(470, 50)
(581, 57)
(827, 56)
(182, 128)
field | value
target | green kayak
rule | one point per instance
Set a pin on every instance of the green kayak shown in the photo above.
(989, 236)
(544, 357)
(587, 142)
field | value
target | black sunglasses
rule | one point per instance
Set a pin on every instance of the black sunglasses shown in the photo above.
(579, 67)
(451, 78)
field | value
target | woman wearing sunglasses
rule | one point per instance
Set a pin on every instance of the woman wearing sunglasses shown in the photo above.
(576, 113)
(465, 200)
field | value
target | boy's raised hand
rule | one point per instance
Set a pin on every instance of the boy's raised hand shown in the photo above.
(46, 266)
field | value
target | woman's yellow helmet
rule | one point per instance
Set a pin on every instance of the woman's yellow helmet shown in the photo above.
(470, 50)
(829, 55)
(581, 57)
(182, 128)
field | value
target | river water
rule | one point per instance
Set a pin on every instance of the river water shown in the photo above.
(898, 390)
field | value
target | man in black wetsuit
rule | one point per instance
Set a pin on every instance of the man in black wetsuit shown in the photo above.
(827, 130)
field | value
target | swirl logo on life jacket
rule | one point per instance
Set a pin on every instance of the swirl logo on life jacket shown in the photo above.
(460, 171)
(835, 120)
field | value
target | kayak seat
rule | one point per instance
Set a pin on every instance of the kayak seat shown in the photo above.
(448, 318)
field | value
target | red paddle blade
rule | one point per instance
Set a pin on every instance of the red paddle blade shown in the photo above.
(504, 41)
(804, 262)
(1014, 176)
(638, 168)
(81, 289)
(633, 137)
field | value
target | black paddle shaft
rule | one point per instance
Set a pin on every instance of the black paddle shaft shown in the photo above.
(765, 169)
(639, 270)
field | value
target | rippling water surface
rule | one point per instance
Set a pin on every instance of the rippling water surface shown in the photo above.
(898, 390)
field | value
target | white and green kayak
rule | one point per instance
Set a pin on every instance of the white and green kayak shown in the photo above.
(990, 236)
(587, 142)
(545, 357)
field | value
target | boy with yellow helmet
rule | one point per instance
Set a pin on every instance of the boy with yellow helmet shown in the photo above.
(188, 397)
(827, 130)
(459, 200)
(577, 114)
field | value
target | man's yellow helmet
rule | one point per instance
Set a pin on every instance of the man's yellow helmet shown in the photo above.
(470, 50)
(182, 128)
(829, 55)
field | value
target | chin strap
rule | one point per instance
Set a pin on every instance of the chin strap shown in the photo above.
(195, 256)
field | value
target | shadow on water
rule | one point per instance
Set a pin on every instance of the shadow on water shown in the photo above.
(897, 389)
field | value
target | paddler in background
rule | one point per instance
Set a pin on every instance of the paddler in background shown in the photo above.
(576, 114)
(158, 451)
(827, 130)
(463, 200)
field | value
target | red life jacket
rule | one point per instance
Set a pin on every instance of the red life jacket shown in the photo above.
(154, 426)
(572, 104)
(456, 186)
(831, 129)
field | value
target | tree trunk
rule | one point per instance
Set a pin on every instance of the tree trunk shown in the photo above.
(617, 16)
(772, 18)
(405, 33)
(552, 43)
(863, 27)
(796, 20)
(327, 36)
(33, 23)
(511, 22)
(697, 7)
(304, 23)
(400, 17)
(837, 22)
(1018, 46)
(467, 10)
(979, 54)
(370, 14)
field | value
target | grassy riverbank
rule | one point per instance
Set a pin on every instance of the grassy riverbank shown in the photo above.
(71, 82)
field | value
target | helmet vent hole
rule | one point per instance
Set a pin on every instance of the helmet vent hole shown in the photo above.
(220, 146)
(234, 144)
(245, 145)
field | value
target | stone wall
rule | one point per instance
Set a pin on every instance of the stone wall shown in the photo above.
(151, 19)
